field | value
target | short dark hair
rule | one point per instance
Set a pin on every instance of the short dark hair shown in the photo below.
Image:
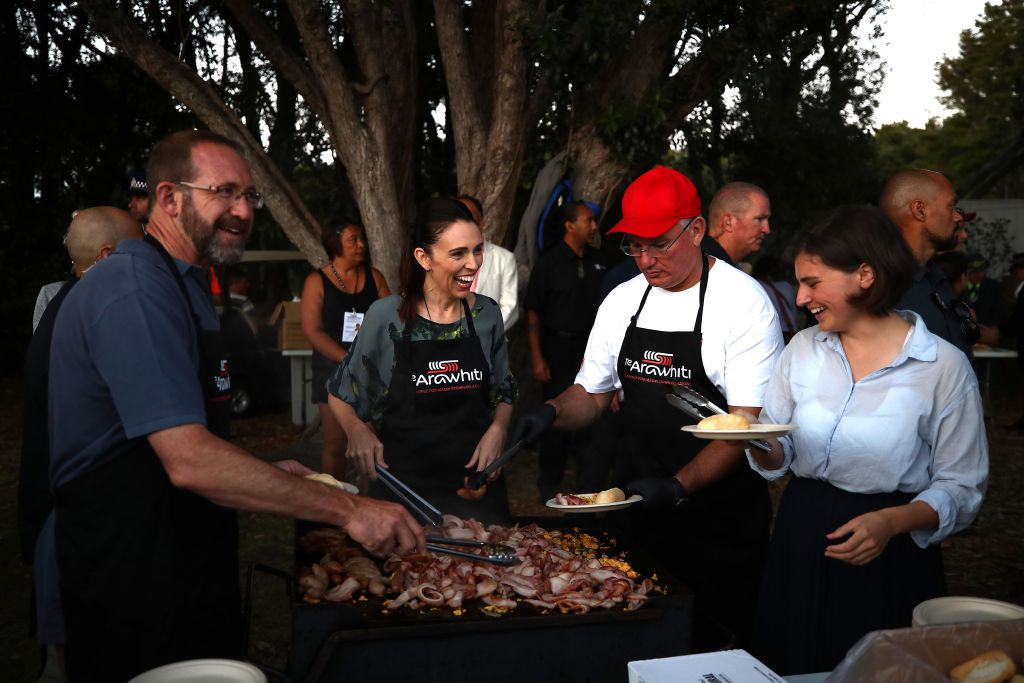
(433, 217)
(330, 235)
(171, 158)
(849, 236)
(569, 212)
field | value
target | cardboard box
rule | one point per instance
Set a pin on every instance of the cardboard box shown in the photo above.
(925, 654)
(287, 317)
(728, 665)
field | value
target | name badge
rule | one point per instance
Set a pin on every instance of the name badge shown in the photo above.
(352, 322)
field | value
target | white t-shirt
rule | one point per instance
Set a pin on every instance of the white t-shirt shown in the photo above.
(741, 336)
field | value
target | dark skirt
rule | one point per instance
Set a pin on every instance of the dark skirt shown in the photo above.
(812, 608)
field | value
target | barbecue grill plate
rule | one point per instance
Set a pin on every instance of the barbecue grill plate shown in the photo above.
(356, 640)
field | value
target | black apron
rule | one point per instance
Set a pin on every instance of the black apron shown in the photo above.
(716, 542)
(149, 571)
(436, 411)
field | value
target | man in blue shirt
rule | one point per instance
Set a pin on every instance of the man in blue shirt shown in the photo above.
(923, 205)
(145, 484)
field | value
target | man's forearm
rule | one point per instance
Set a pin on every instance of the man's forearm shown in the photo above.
(713, 462)
(198, 461)
(575, 408)
(716, 460)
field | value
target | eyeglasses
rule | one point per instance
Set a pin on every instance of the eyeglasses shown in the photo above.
(968, 325)
(653, 250)
(228, 193)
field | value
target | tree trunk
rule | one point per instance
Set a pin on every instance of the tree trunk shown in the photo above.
(597, 175)
(487, 105)
(362, 132)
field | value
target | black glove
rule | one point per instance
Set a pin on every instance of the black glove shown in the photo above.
(529, 427)
(660, 493)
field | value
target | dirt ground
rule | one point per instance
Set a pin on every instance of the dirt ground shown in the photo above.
(985, 560)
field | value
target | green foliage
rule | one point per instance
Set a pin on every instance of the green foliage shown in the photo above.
(75, 123)
(898, 146)
(986, 80)
(635, 132)
(985, 86)
(794, 120)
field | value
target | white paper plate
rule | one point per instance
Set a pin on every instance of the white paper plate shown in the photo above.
(348, 488)
(756, 431)
(203, 671)
(955, 609)
(594, 507)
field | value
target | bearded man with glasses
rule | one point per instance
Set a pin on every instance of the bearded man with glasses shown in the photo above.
(145, 481)
(686, 319)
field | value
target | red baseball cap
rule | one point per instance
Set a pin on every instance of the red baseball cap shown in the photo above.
(656, 201)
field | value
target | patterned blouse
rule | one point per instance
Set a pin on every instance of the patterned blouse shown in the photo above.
(363, 377)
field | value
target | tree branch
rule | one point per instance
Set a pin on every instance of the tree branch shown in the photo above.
(285, 62)
(463, 110)
(185, 85)
(341, 115)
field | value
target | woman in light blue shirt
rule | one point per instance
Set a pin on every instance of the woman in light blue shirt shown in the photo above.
(889, 456)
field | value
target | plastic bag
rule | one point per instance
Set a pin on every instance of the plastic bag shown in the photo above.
(926, 654)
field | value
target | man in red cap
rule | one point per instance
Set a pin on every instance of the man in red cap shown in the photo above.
(687, 319)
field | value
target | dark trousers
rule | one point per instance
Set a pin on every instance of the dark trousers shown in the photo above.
(564, 356)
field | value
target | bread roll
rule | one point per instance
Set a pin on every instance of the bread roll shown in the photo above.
(727, 421)
(989, 667)
(610, 496)
(324, 478)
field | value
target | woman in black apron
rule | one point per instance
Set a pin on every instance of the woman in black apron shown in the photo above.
(716, 541)
(334, 301)
(169, 569)
(426, 389)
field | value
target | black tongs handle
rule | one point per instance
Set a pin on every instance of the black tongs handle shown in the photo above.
(477, 479)
(414, 501)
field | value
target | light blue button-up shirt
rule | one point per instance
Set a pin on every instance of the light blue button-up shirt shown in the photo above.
(915, 425)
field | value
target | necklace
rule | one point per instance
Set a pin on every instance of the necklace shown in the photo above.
(431, 319)
(337, 276)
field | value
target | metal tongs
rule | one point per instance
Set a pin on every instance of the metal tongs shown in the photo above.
(694, 404)
(495, 553)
